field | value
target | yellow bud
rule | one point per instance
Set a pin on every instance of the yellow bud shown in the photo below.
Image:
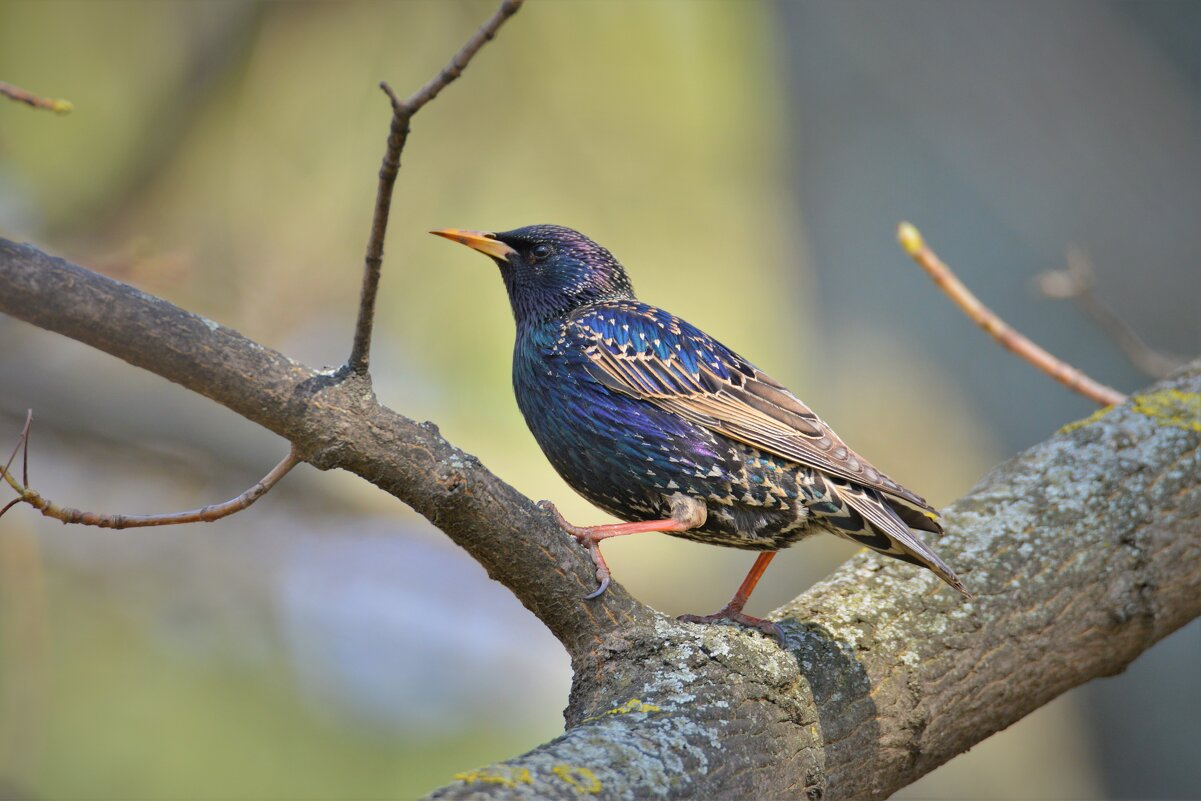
(910, 239)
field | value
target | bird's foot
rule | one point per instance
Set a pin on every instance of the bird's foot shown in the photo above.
(586, 536)
(735, 615)
(602, 570)
(579, 532)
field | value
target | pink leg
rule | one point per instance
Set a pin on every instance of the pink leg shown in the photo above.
(733, 610)
(687, 515)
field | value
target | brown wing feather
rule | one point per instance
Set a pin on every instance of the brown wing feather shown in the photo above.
(754, 409)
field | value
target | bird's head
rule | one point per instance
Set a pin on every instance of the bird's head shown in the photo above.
(548, 270)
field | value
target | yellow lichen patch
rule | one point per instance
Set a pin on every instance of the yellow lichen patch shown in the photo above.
(506, 778)
(1092, 418)
(582, 779)
(632, 705)
(1171, 407)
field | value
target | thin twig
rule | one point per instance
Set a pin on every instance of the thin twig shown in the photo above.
(1008, 338)
(21, 440)
(205, 514)
(398, 134)
(25, 433)
(1076, 283)
(10, 504)
(30, 99)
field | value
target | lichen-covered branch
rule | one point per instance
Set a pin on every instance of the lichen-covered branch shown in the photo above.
(1083, 552)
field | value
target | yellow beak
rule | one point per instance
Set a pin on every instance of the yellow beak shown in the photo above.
(482, 241)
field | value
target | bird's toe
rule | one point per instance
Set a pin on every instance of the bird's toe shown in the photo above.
(768, 627)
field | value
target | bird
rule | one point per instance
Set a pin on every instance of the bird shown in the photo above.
(664, 427)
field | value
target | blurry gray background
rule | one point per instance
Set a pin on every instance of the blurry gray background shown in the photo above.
(748, 162)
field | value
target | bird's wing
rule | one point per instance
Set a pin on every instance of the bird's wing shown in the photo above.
(647, 353)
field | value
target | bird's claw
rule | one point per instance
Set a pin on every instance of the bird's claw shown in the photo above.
(599, 591)
(584, 537)
(602, 569)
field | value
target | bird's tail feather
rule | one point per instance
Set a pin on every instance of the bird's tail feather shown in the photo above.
(883, 524)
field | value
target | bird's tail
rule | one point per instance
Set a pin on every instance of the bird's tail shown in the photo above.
(869, 518)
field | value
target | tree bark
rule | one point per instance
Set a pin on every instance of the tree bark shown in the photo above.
(1082, 551)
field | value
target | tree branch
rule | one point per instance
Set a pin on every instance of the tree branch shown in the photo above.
(36, 101)
(65, 514)
(1077, 282)
(1013, 341)
(1083, 552)
(398, 134)
(332, 422)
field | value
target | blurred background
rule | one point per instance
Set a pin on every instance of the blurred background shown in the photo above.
(747, 161)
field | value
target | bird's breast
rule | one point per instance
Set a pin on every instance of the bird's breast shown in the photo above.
(623, 454)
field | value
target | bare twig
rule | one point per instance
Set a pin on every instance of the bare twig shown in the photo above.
(21, 440)
(398, 134)
(1077, 283)
(913, 244)
(205, 514)
(30, 99)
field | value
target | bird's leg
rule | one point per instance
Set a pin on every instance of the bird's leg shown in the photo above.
(686, 513)
(733, 610)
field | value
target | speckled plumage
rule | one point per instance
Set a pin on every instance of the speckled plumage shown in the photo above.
(634, 406)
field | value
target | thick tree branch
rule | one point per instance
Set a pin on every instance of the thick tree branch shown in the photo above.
(1083, 552)
(331, 422)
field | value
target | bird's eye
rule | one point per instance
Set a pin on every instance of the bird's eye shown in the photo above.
(540, 252)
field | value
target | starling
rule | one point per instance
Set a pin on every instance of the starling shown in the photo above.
(659, 424)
